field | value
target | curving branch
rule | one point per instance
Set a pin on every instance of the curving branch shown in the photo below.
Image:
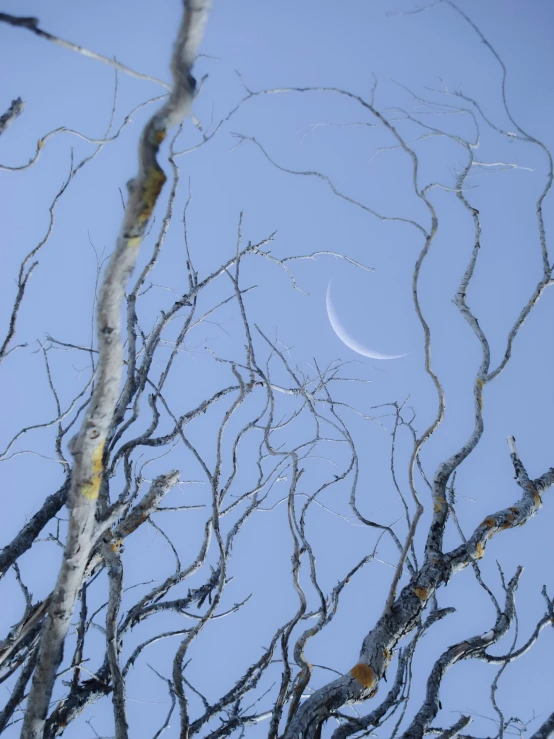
(12, 113)
(463, 650)
(265, 437)
(31, 24)
(88, 446)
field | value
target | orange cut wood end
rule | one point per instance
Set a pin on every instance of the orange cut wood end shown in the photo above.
(363, 674)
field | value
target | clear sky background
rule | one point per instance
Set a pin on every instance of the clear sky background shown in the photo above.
(301, 44)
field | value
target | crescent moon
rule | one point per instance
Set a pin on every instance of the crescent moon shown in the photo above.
(349, 340)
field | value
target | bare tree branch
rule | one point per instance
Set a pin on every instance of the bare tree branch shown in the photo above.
(13, 112)
(88, 446)
(262, 439)
(31, 24)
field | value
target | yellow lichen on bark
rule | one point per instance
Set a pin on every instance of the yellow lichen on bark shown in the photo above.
(537, 498)
(91, 487)
(159, 136)
(421, 593)
(439, 504)
(488, 523)
(151, 188)
(480, 550)
(134, 241)
(363, 674)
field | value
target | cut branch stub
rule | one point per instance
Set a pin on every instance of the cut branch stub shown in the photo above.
(366, 676)
(363, 674)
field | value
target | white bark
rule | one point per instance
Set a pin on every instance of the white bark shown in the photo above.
(88, 446)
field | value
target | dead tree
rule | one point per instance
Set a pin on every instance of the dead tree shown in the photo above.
(258, 439)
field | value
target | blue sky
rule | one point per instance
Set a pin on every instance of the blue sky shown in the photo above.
(280, 45)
